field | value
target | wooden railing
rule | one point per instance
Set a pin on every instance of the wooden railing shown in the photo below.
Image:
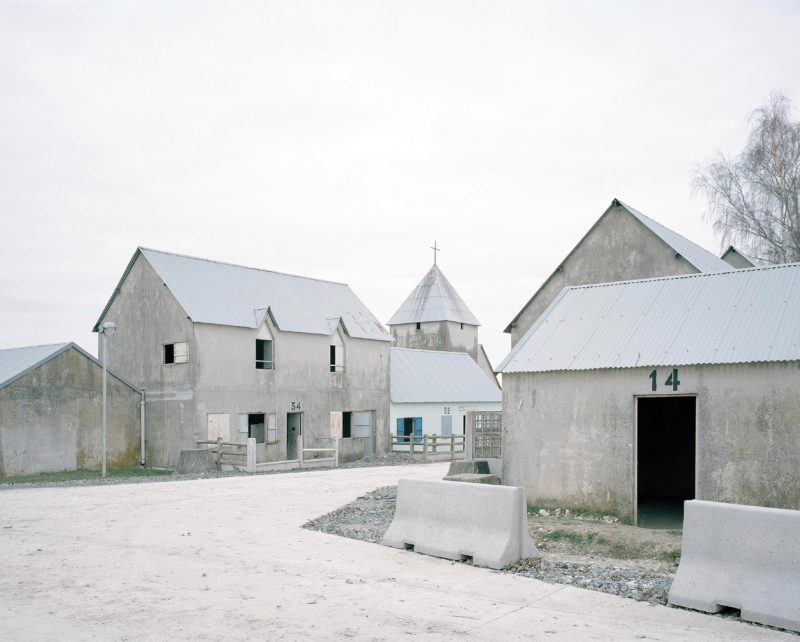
(427, 444)
(226, 452)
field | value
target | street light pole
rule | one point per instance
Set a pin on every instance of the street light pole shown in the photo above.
(108, 328)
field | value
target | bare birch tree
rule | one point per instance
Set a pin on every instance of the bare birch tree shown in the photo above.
(754, 199)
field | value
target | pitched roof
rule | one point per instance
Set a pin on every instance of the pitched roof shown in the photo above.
(739, 316)
(17, 362)
(744, 257)
(422, 376)
(226, 294)
(434, 299)
(702, 260)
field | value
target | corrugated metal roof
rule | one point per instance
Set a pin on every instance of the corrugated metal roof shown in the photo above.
(434, 299)
(740, 316)
(15, 362)
(226, 294)
(422, 376)
(701, 259)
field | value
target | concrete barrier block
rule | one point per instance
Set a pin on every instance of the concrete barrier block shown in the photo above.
(196, 460)
(487, 524)
(480, 466)
(743, 557)
(474, 478)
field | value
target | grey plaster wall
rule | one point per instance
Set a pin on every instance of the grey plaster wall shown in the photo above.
(220, 376)
(148, 317)
(569, 437)
(229, 383)
(619, 248)
(51, 419)
(448, 336)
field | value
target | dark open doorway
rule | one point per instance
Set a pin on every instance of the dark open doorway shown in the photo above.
(665, 472)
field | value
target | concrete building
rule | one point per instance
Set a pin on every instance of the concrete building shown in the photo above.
(435, 317)
(235, 352)
(432, 392)
(623, 244)
(51, 412)
(659, 390)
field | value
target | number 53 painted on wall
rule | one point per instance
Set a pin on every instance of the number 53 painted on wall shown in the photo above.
(672, 380)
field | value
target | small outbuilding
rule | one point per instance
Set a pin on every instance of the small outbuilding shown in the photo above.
(432, 391)
(51, 412)
(626, 395)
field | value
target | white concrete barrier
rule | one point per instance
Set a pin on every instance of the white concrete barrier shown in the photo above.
(461, 521)
(742, 557)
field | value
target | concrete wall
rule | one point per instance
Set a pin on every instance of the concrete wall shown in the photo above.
(617, 249)
(432, 414)
(51, 419)
(447, 336)
(228, 382)
(148, 317)
(570, 436)
(220, 376)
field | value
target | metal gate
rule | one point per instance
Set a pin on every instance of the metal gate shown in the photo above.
(487, 435)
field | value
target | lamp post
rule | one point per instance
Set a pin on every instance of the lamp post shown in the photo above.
(107, 329)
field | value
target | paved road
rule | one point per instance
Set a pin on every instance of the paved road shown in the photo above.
(226, 559)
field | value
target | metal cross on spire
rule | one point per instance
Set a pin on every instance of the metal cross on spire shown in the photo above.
(435, 250)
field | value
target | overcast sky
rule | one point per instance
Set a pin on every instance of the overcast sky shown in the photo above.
(338, 140)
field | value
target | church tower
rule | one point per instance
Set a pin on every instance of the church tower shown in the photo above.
(435, 317)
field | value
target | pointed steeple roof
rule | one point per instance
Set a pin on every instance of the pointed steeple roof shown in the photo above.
(434, 299)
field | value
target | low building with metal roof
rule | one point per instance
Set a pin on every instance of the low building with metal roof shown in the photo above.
(623, 244)
(232, 352)
(433, 391)
(51, 412)
(623, 396)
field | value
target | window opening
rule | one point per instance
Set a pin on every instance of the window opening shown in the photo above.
(336, 361)
(346, 424)
(255, 427)
(176, 352)
(407, 426)
(419, 325)
(264, 359)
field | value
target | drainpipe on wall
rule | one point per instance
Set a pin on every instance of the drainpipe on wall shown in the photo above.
(142, 457)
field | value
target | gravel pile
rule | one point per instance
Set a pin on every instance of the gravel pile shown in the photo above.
(384, 459)
(368, 517)
(637, 584)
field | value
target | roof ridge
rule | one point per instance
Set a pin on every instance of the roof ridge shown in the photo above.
(675, 277)
(456, 352)
(237, 265)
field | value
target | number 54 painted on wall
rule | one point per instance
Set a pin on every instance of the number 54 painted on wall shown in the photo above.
(672, 380)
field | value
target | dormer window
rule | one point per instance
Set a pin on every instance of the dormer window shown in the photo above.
(264, 360)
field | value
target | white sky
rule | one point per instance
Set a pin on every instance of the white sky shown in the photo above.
(338, 140)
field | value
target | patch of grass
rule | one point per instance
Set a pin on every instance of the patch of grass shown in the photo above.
(583, 513)
(76, 475)
(672, 555)
(559, 535)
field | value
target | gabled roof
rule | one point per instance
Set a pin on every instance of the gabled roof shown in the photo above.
(434, 299)
(423, 376)
(17, 362)
(702, 260)
(748, 261)
(226, 294)
(740, 316)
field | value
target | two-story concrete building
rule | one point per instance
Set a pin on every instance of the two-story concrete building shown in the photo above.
(236, 352)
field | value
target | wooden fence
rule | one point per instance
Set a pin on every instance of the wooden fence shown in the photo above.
(428, 445)
(226, 452)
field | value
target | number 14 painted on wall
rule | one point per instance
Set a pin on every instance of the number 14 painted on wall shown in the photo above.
(672, 380)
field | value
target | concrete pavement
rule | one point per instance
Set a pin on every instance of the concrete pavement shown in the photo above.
(226, 559)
